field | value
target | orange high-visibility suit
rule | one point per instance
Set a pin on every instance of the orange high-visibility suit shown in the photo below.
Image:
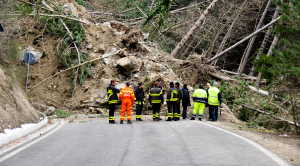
(127, 97)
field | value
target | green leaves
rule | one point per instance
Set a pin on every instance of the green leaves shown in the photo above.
(162, 8)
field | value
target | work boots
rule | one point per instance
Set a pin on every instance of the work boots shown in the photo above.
(112, 122)
(129, 122)
(169, 119)
(121, 122)
(192, 118)
(175, 118)
(200, 119)
(137, 119)
(140, 119)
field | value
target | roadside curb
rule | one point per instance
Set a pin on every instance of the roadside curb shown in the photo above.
(26, 131)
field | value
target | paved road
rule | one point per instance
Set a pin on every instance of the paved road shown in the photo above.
(143, 143)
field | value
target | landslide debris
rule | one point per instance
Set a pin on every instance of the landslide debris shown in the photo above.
(143, 61)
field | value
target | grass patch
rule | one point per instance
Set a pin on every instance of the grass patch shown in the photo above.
(62, 114)
(102, 116)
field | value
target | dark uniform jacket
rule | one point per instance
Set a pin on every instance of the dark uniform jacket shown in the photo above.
(172, 94)
(180, 95)
(156, 95)
(162, 89)
(139, 96)
(112, 94)
(186, 97)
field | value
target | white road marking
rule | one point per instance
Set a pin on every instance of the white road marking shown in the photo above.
(31, 143)
(273, 156)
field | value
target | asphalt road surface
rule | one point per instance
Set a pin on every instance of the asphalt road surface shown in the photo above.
(141, 143)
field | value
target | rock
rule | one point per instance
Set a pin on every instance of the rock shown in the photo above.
(30, 49)
(127, 63)
(70, 8)
(99, 111)
(120, 85)
(50, 111)
(89, 46)
(107, 24)
(107, 60)
(92, 110)
(39, 107)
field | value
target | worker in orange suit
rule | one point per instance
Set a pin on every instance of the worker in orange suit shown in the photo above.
(127, 97)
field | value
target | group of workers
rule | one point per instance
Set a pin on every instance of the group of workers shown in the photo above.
(202, 98)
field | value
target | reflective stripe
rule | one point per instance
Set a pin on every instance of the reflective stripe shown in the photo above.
(169, 114)
(127, 91)
(111, 118)
(193, 115)
(155, 94)
(110, 92)
(212, 103)
(155, 101)
(128, 117)
(113, 101)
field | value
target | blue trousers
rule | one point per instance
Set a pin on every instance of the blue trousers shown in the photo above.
(213, 110)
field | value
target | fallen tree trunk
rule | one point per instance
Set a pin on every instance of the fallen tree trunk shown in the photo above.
(220, 77)
(254, 38)
(266, 38)
(273, 45)
(179, 47)
(243, 40)
(246, 77)
(266, 113)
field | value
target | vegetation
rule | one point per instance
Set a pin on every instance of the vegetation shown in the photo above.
(62, 114)
(55, 27)
(282, 68)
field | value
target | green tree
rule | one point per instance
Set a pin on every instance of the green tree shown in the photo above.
(282, 68)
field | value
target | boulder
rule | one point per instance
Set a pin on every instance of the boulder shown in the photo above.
(49, 111)
(106, 59)
(70, 8)
(127, 63)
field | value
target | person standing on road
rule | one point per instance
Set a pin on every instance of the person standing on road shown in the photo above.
(214, 100)
(127, 98)
(177, 86)
(140, 101)
(112, 96)
(185, 100)
(172, 98)
(200, 98)
(209, 113)
(156, 99)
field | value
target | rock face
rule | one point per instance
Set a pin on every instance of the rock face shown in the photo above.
(127, 63)
(15, 109)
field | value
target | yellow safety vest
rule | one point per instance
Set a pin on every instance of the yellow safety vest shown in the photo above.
(213, 96)
(200, 95)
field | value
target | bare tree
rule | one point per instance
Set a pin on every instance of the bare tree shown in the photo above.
(177, 49)
(254, 37)
(266, 38)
